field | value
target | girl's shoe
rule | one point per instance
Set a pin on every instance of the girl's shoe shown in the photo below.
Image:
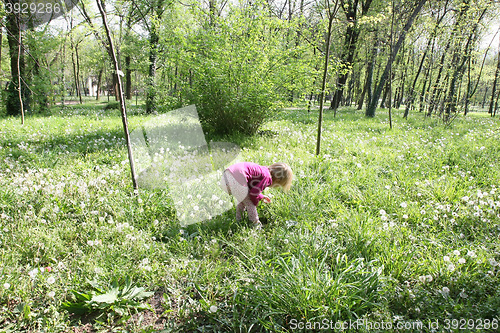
(257, 225)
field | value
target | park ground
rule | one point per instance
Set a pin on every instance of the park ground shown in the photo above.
(394, 226)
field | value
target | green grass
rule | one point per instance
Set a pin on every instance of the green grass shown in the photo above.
(385, 225)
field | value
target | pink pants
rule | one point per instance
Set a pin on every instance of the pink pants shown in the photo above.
(241, 192)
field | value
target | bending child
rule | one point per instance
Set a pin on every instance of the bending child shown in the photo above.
(246, 181)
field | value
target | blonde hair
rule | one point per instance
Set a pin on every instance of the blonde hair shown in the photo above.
(282, 175)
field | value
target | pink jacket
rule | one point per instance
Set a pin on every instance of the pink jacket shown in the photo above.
(256, 177)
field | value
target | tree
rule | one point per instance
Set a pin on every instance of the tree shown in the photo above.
(494, 88)
(121, 97)
(412, 93)
(350, 8)
(370, 111)
(331, 11)
(17, 98)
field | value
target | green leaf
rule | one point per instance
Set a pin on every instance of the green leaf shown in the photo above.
(79, 308)
(110, 297)
(82, 296)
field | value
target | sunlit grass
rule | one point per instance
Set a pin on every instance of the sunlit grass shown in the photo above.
(384, 224)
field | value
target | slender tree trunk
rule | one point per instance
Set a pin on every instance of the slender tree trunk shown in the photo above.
(154, 39)
(370, 111)
(460, 58)
(411, 97)
(494, 89)
(17, 69)
(426, 86)
(79, 86)
(369, 72)
(123, 108)
(19, 78)
(99, 83)
(496, 106)
(128, 78)
(1, 40)
(63, 77)
(350, 44)
(325, 73)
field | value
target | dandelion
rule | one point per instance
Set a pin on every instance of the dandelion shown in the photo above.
(445, 291)
(446, 258)
(213, 309)
(451, 267)
(33, 273)
(456, 252)
(6, 285)
(405, 216)
(471, 254)
(51, 294)
(461, 261)
(382, 212)
(51, 280)
(404, 205)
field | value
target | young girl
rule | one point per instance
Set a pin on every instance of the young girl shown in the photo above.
(246, 180)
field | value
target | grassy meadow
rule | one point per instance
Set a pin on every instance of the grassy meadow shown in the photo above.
(386, 227)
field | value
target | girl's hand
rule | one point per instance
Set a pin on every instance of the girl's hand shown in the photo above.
(266, 199)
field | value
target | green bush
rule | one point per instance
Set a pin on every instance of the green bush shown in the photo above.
(237, 73)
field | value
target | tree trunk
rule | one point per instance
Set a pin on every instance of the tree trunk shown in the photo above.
(369, 74)
(494, 90)
(411, 97)
(128, 78)
(460, 58)
(19, 78)
(17, 69)
(350, 43)
(63, 77)
(123, 108)
(154, 39)
(325, 72)
(370, 111)
(99, 83)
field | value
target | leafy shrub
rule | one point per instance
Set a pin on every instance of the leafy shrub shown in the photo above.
(112, 106)
(115, 300)
(236, 79)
